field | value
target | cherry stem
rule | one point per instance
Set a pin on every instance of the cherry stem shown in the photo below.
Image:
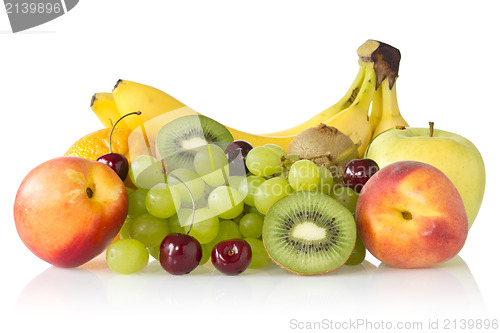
(192, 201)
(431, 128)
(113, 128)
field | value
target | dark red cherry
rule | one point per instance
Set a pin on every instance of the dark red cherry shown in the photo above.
(236, 154)
(232, 257)
(117, 162)
(180, 253)
(358, 171)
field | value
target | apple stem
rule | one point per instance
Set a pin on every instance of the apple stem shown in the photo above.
(90, 193)
(113, 128)
(192, 202)
(431, 128)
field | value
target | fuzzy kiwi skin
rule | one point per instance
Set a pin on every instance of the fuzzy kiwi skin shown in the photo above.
(349, 250)
(321, 140)
(326, 147)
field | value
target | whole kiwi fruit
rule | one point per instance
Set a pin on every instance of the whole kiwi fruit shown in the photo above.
(326, 146)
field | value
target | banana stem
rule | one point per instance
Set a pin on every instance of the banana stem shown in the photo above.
(113, 128)
(385, 59)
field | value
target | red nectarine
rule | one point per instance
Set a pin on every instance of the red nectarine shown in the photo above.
(68, 210)
(409, 214)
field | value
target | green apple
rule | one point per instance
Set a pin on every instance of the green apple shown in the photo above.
(453, 154)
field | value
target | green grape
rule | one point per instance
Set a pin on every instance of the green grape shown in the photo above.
(183, 217)
(146, 171)
(252, 209)
(236, 181)
(137, 202)
(346, 196)
(148, 229)
(126, 256)
(276, 149)
(225, 202)
(206, 253)
(188, 178)
(358, 254)
(289, 160)
(211, 164)
(325, 181)
(154, 251)
(249, 187)
(202, 202)
(251, 225)
(238, 218)
(262, 161)
(205, 225)
(260, 258)
(124, 231)
(228, 229)
(269, 192)
(129, 190)
(163, 201)
(174, 222)
(304, 176)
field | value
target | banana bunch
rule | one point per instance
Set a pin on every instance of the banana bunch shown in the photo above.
(385, 112)
(350, 114)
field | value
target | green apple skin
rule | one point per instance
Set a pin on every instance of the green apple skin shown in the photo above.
(451, 153)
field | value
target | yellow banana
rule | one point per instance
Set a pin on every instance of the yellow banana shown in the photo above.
(385, 105)
(131, 97)
(104, 106)
(376, 110)
(353, 121)
(326, 114)
(158, 105)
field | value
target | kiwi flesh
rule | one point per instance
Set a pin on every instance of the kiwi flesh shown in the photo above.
(179, 140)
(309, 233)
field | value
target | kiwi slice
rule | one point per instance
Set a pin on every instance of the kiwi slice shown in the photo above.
(309, 233)
(179, 140)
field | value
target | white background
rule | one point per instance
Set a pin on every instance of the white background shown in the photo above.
(258, 66)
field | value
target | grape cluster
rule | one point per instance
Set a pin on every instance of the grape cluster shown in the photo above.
(223, 198)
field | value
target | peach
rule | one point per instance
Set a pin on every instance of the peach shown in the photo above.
(68, 210)
(409, 215)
